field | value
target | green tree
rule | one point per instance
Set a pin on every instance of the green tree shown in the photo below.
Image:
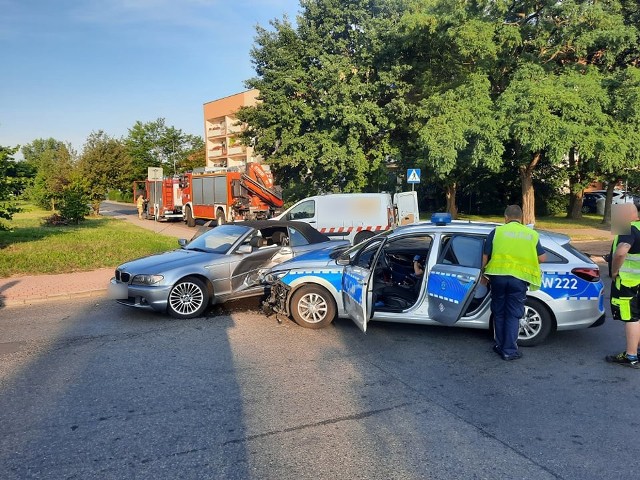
(619, 156)
(104, 165)
(7, 204)
(588, 39)
(451, 50)
(155, 144)
(74, 203)
(19, 174)
(322, 123)
(53, 161)
(195, 157)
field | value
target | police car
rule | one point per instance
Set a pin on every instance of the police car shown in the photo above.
(376, 280)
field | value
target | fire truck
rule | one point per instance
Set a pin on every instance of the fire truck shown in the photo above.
(163, 198)
(227, 195)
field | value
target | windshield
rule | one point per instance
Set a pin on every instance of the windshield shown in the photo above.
(350, 251)
(218, 240)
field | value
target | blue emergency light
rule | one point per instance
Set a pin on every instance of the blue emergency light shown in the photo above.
(441, 219)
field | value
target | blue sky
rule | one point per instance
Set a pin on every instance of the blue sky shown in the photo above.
(70, 67)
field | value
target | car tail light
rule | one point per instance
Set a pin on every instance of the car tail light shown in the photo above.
(588, 274)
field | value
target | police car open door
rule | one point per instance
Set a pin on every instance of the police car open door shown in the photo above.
(453, 280)
(357, 283)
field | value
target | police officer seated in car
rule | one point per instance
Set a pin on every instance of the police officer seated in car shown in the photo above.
(414, 279)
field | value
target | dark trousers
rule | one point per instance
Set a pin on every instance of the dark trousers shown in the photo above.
(507, 305)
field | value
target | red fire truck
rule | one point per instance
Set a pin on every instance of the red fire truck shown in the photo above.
(226, 195)
(163, 198)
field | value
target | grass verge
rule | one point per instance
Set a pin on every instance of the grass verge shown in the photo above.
(32, 248)
(554, 222)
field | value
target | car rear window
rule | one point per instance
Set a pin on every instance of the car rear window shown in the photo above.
(553, 257)
(581, 255)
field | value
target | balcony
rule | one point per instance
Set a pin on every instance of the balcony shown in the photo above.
(237, 149)
(217, 151)
(216, 130)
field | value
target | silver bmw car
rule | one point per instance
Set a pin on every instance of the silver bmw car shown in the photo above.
(376, 280)
(223, 263)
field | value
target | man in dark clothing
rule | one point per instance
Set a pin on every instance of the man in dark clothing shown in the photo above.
(511, 259)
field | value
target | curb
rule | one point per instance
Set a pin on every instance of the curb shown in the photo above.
(10, 302)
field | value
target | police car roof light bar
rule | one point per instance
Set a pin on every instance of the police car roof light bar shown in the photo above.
(441, 219)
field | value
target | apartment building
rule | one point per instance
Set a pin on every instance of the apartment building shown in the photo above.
(221, 129)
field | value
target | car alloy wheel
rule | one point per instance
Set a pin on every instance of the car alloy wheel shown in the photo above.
(313, 307)
(188, 298)
(535, 325)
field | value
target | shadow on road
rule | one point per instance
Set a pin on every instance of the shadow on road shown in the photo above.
(105, 394)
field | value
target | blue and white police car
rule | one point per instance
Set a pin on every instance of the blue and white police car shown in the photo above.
(380, 280)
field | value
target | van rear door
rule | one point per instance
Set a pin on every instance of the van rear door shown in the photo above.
(407, 207)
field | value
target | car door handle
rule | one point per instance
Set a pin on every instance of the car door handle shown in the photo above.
(311, 221)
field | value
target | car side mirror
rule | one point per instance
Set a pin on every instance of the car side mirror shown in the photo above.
(343, 260)
(182, 242)
(285, 251)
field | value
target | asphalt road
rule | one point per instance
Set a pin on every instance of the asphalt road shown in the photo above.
(97, 390)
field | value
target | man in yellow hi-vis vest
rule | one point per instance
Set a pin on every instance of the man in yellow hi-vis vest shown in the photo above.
(511, 259)
(625, 282)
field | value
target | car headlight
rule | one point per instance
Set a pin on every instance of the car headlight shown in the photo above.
(273, 277)
(146, 279)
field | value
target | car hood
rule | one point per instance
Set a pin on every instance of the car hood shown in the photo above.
(316, 258)
(163, 262)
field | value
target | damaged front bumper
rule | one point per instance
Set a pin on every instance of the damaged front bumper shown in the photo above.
(278, 300)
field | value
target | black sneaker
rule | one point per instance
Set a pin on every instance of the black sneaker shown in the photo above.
(513, 356)
(497, 349)
(622, 359)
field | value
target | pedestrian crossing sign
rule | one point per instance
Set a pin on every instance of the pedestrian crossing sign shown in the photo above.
(413, 175)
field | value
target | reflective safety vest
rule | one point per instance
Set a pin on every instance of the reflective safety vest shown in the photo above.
(630, 269)
(514, 253)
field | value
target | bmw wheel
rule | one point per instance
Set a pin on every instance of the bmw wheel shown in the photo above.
(313, 307)
(188, 298)
(535, 325)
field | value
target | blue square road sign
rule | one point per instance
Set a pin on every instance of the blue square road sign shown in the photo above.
(413, 175)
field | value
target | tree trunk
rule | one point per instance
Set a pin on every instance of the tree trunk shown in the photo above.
(528, 194)
(450, 194)
(606, 218)
(575, 186)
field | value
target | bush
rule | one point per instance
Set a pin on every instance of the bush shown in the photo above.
(55, 220)
(118, 196)
(74, 205)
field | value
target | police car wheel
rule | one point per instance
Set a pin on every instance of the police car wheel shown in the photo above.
(313, 307)
(536, 324)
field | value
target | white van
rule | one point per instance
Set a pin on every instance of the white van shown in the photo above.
(355, 216)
